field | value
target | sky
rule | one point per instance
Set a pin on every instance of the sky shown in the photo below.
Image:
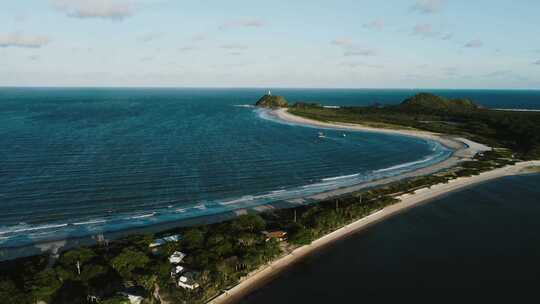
(250, 43)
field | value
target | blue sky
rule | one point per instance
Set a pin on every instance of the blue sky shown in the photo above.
(240, 43)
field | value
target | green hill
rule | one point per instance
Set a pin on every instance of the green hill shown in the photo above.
(270, 101)
(427, 101)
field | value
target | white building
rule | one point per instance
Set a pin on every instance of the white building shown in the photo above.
(135, 295)
(165, 240)
(177, 270)
(186, 281)
(177, 257)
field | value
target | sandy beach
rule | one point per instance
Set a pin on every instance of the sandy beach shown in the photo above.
(464, 149)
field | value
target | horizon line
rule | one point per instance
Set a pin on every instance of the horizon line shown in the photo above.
(252, 87)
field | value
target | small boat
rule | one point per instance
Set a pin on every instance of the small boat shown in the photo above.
(344, 135)
(321, 135)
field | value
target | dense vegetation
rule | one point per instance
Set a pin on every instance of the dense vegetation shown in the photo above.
(221, 254)
(519, 131)
(270, 101)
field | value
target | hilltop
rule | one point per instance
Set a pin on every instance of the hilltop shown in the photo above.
(427, 101)
(270, 101)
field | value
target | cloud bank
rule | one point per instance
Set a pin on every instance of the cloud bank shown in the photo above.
(104, 9)
(377, 24)
(254, 23)
(474, 44)
(23, 41)
(429, 6)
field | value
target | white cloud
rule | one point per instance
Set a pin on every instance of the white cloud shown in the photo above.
(149, 36)
(22, 40)
(447, 36)
(342, 41)
(360, 64)
(105, 9)
(199, 37)
(451, 71)
(426, 30)
(377, 24)
(350, 49)
(360, 52)
(187, 48)
(234, 47)
(537, 62)
(500, 73)
(254, 23)
(474, 44)
(429, 6)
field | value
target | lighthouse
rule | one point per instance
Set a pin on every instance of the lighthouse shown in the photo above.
(269, 93)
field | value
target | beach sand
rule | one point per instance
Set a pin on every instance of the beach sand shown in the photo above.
(465, 149)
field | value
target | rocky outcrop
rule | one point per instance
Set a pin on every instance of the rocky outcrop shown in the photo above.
(270, 101)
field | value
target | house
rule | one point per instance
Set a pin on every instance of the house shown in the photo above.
(187, 281)
(177, 257)
(135, 295)
(277, 235)
(165, 240)
(177, 270)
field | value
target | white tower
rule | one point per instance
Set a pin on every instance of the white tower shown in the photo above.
(269, 93)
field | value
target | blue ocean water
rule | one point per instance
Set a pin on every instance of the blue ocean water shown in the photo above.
(76, 162)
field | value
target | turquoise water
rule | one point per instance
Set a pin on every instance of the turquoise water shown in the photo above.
(76, 162)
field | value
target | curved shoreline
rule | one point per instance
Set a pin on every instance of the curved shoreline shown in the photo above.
(466, 150)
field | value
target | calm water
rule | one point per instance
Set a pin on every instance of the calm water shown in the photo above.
(75, 162)
(482, 239)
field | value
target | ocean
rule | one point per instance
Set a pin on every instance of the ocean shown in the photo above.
(76, 162)
(480, 241)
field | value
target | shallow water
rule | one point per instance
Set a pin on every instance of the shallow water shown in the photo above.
(480, 240)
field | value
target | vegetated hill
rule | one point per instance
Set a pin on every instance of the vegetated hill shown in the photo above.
(519, 131)
(430, 102)
(270, 101)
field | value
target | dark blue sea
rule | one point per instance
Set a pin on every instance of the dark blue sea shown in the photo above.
(481, 241)
(76, 162)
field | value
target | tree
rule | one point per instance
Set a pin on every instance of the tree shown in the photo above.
(71, 292)
(116, 300)
(129, 260)
(44, 285)
(82, 255)
(193, 239)
(248, 223)
(10, 293)
(300, 235)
